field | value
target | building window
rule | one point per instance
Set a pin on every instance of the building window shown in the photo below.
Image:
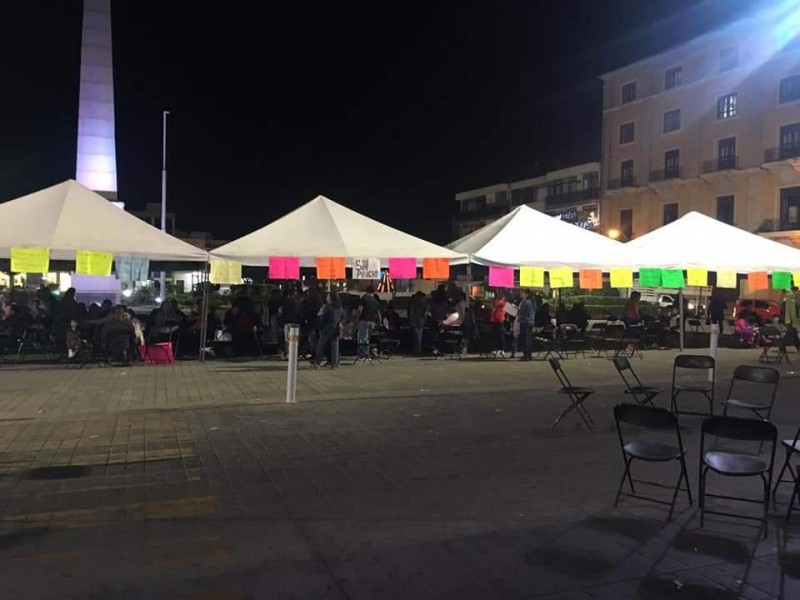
(626, 224)
(726, 106)
(790, 141)
(670, 213)
(629, 92)
(626, 173)
(526, 195)
(729, 58)
(725, 209)
(627, 132)
(726, 154)
(474, 204)
(673, 77)
(789, 89)
(672, 164)
(790, 208)
(672, 120)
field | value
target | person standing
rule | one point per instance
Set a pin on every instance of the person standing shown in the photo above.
(369, 314)
(416, 320)
(498, 320)
(790, 317)
(329, 325)
(289, 314)
(526, 317)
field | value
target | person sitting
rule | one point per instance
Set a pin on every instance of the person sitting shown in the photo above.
(562, 314)
(744, 330)
(543, 320)
(75, 340)
(630, 314)
(578, 317)
(391, 319)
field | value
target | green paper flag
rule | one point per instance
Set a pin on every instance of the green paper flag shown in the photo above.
(672, 278)
(649, 278)
(781, 280)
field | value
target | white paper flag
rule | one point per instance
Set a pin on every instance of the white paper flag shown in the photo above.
(366, 268)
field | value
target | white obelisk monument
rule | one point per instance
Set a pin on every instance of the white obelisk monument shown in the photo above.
(96, 166)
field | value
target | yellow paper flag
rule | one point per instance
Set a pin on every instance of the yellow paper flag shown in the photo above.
(726, 278)
(621, 278)
(796, 279)
(88, 262)
(531, 277)
(562, 278)
(697, 276)
(225, 272)
(30, 260)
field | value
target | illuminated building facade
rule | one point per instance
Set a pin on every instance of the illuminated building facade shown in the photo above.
(712, 126)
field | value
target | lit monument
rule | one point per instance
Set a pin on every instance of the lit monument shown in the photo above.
(96, 166)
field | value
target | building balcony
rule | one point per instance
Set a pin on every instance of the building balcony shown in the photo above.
(782, 153)
(485, 212)
(570, 198)
(782, 224)
(623, 182)
(666, 174)
(721, 164)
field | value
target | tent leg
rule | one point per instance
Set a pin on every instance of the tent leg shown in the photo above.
(680, 319)
(204, 315)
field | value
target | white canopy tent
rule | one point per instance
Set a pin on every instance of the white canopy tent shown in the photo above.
(527, 237)
(322, 227)
(67, 217)
(696, 240)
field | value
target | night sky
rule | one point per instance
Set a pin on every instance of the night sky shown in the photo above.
(388, 107)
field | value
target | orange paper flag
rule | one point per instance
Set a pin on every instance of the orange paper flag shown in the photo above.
(590, 279)
(330, 267)
(435, 268)
(757, 281)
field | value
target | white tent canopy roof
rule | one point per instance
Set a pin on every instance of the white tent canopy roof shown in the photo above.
(527, 237)
(322, 227)
(696, 240)
(67, 217)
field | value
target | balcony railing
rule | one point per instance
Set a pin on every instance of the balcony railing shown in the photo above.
(490, 210)
(623, 182)
(782, 224)
(721, 164)
(665, 174)
(573, 197)
(782, 153)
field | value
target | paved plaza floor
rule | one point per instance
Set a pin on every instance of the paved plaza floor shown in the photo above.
(411, 478)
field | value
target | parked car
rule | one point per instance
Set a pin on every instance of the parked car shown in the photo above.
(763, 309)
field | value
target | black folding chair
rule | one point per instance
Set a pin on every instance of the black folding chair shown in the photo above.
(613, 337)
(576, 395)
(697, 365)
(650, 450)
(773, 344)
(631, 344)
(791, 447)
(761, 383)
(736, 464)
(643, 394)
(570, 340)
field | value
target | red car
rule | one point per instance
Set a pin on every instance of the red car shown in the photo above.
(763, 309)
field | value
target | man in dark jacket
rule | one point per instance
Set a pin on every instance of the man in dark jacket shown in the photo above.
(526, 317)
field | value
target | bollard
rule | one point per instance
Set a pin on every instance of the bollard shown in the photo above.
(713, 345)
(291, 374)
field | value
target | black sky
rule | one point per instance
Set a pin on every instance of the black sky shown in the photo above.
(388, 107)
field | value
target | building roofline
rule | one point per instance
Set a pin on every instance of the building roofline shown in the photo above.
(540, 179)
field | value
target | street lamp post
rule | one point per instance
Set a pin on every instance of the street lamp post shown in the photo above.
(163, 280)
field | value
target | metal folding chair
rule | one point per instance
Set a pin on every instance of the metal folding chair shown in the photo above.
(643, 394)
(650, 450)
(697, 365)
(737, 464)
(791, 447)
(577, 395)
(773, 344)
(758, 398)
(570, 340)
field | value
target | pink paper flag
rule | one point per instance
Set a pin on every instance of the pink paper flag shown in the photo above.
(502, 277)
(284, 267)
(403, 268)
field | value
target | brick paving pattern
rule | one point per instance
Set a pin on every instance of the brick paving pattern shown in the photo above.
(406, 479)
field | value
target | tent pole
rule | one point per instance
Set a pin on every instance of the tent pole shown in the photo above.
(204, 315)
(680, 319)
